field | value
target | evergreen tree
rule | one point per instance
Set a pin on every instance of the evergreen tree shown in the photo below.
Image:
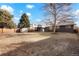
(5, 19)
(24, 22)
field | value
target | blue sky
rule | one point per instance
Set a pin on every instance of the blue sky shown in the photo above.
(33, 10)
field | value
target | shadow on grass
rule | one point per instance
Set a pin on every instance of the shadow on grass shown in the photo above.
(54, 33)
(8, 35)
(46, 47)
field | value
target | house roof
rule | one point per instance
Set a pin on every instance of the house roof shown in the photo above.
(65, 22)
(58, 23)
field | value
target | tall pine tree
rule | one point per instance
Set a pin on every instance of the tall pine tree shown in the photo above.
(24, 21)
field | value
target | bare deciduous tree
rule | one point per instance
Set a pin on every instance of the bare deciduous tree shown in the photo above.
(58, 11)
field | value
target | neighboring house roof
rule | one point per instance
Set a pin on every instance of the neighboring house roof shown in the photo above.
(58, 23)
(65, 22)
(33, 25)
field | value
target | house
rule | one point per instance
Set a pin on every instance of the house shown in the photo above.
(61, 26)
(32, 27)
(36, 27)
(65, 26)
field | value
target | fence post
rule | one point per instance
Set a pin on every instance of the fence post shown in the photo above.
(2, 30)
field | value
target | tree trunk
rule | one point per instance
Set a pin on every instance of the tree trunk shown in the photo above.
(54, 27)
(14, 29)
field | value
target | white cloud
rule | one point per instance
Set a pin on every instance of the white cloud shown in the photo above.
(21, 11)
(29, 14)
(38, 20)
(77, 12)
(8, 8)
(30, 6)
(16, 19)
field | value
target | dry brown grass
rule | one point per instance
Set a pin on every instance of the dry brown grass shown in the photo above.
(40, 44)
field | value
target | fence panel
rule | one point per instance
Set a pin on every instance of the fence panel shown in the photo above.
(5, 30)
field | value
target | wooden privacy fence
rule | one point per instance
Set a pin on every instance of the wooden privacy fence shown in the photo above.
(6, 30)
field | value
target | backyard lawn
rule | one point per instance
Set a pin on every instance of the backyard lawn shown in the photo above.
(39, 44)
